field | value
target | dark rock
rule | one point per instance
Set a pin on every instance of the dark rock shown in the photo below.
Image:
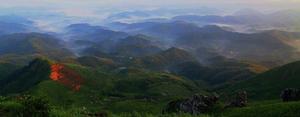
(99, 114)
(290, 94)
(240, 100)
(196, 104)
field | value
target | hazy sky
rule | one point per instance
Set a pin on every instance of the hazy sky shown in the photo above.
(149, 3)
(87, 7)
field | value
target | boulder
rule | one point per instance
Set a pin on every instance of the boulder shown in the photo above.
(290, 94)
(196, 104)
(240, 100)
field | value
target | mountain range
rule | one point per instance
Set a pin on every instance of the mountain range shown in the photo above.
(142, 66)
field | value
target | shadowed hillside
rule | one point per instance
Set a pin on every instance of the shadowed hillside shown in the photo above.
(269, 85)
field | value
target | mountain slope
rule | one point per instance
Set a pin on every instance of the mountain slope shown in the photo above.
(9, 28)
(92, 33)
(213, 76)
(26, 77)
(269, 85)
(164, 59)
(15, 24)
(138, 45)
(276, 47)
(131, 46)
(27, 44)
(258, 47)
(72, 85)
(6, 69)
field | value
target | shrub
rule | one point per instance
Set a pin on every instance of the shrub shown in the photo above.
(10, 109)
(35, 107)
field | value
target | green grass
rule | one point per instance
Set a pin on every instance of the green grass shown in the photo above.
(12, 108)
(135, 114)
(269, 110)
(265, 109)
(140, 108)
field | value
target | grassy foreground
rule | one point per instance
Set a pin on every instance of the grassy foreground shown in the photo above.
(36, 107)
(278, 109)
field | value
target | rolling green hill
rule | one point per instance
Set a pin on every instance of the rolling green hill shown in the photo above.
(214, 76)
(100, 90)
(164, 59)
(269, 85)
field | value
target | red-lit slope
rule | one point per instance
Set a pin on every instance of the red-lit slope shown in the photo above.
(66, 76)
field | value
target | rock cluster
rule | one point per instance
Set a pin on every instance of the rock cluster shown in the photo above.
(196, 104)
(290, 94)
(240, 100)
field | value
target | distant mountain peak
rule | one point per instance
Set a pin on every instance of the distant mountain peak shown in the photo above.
(174, 49)
(136, 39)
(213, 28)
(84, 26)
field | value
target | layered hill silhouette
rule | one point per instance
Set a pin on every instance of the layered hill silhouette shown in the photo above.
(165, 59)
(284, 19)
(272, 46)
(131, 46)
(25, 46)
(92, 33)
(15, 24)
(142, 66)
